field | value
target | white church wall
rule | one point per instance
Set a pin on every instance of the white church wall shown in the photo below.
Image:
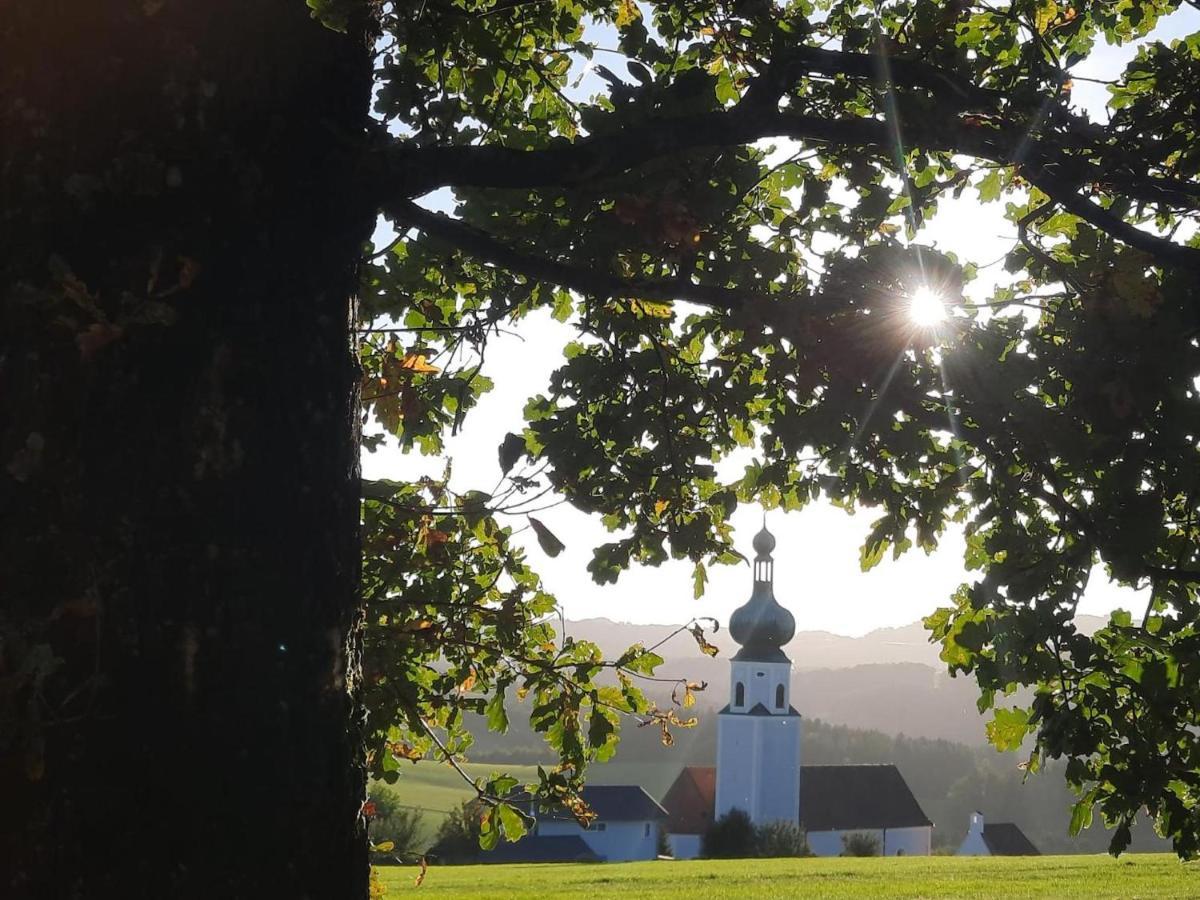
(758, 766)
(685, 846)
(611, 841)
(908, 841)
(779, 783)
(737, 773)
(829, 843)
(760, 681)
(892, 841)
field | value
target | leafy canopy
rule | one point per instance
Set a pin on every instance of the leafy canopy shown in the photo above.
(724, 203)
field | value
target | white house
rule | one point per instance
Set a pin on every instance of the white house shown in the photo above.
(758, 753)
(995, 839)
(625, 829)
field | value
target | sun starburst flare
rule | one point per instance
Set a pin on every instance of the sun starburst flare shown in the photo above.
(926, 307)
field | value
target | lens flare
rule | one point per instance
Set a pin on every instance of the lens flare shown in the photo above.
(926, 307)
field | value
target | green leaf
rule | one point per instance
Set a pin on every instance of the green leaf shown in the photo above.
(489, 831)
(497, 714)
(1081, 815)
(1046, 12)
(333, 14)
(871, 554)
(937, 622)
(502, 785)
(600, 729)
(550, 544)
(511, 449)
(511, 822)
(563, 306)
(1008, 728)
(699, 580)
(989, 187)
(644, 663)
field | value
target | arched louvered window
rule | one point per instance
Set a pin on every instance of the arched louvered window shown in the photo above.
(779, 696)
(739, 695)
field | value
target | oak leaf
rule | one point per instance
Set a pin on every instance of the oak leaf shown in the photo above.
(418, 362)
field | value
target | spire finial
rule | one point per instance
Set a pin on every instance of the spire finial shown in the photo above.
(762, 626)
(764, 541)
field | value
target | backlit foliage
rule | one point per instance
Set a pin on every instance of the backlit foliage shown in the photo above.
(723, 202)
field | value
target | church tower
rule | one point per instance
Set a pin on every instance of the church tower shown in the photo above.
(758, 733)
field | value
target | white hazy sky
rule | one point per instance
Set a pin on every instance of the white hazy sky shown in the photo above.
(817, 574)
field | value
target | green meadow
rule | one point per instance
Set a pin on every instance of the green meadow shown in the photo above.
(435, 789)
(1131, 877)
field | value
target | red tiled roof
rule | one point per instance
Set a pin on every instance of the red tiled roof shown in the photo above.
(689, 801)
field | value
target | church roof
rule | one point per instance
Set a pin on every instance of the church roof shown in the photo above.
(761, 625)
(759, 710)
(839, 798)
(832, 798)
(1007, 839)
(615, 803)
(689, 800)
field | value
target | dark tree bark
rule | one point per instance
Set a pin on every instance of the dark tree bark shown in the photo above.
(179, 232)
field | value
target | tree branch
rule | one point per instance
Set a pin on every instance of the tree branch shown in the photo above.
(1102, 219)
(404, 170)
(592, 282)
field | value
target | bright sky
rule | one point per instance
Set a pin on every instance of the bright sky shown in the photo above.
(817, 574)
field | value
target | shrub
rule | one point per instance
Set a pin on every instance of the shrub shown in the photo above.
(392, 823)
(457, 839)
(781, 839)
(734, 836)
(730, 837)
(664, 845)
(860, 844)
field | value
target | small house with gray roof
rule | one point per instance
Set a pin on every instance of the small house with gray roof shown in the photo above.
(625, 828)
(995, 839)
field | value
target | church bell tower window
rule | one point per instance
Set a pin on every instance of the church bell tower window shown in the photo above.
(779, 696)
(739, 695)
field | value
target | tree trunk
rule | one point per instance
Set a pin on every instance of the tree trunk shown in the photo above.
(179, 628)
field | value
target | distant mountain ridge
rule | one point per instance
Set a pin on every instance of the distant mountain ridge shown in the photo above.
(889, 680)
(807, 650)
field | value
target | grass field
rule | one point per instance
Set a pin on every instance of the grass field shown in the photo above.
(1130, 878)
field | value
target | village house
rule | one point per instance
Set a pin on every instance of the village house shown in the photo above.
(625, 829)
(995, 839)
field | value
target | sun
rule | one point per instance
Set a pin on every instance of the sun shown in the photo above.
(926, 307)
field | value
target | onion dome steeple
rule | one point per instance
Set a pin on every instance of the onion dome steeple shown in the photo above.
(761, 625)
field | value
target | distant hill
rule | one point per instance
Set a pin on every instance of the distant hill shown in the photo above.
(807, 650)
(888, 680)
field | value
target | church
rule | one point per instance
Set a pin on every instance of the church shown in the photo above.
(758, 753)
